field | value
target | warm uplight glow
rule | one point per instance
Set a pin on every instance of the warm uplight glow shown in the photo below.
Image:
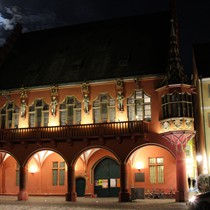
(199, 158)
(53, 122)
(139, 165)
(33, 169)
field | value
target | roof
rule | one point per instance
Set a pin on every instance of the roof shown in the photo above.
(123, 47)
(202, 58)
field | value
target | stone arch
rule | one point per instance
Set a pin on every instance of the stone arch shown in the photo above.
(85, 162)
(156, 168)
(9, 166)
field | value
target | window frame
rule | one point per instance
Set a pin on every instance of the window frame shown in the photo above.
(156, 176)
(110, 104)
(139, 104)
(33, 112)
(76, 106)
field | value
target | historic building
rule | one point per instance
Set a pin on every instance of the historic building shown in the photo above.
(96, 109)
(202, 105)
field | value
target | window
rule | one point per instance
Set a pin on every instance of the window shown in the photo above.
(139, 106)
(156, 170)
(9, 116)
(70, 111)
(104, 109)
(38, 114)
(58, 173)
(177, 105)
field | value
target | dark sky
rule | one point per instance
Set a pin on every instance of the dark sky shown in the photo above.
(193, 16)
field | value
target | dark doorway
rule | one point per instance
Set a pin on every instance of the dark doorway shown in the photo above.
(107, 178)
(80, 187)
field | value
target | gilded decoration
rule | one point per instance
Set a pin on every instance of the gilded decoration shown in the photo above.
(178, 123)
(54, 102)
(85, 93)
(165, 125)
(120, 95)
(23, 105)
(189, 123)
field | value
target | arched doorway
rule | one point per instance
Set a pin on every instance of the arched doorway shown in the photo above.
(80, 186)
(107, 178)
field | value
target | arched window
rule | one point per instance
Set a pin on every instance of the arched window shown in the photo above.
(9, 115)
(177, 105)
(103, 109)
(70, 111)
(139, 106)
(39, 114)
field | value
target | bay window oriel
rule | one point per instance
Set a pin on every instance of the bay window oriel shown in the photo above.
(177, 105)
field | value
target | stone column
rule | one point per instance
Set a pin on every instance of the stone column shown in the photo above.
(71, 195)
(181, 178)
(23, 194)
(124, 195)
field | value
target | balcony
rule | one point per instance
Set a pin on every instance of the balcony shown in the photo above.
(71, 132)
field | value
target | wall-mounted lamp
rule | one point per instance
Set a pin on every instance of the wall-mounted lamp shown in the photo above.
(33, 169)
(139, 166)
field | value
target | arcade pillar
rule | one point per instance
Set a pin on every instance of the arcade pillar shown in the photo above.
(23, 194)
(124, 195)
(71, 194)
(182, 189)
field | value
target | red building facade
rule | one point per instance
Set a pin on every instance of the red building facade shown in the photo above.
(99, 137)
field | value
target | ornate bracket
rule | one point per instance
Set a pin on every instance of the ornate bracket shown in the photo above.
(23, 105)
(179, 139)
(85, 93)
(54, 102)
(120, 95)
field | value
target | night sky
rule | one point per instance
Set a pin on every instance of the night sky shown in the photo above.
(193, 16)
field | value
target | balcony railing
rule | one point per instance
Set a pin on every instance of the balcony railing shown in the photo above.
(74, 131)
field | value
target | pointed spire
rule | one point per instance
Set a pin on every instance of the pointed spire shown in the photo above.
(174, 71)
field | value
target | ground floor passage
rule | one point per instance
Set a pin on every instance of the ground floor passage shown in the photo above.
(96, 173)
(57, 202)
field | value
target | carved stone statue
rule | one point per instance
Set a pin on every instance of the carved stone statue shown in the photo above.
(120, 99)
(85, 93)
(54, 102)
(23, 105)
(120, 96)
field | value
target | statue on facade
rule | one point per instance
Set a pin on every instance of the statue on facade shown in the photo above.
(54, 102)
(120, 96)
(23, 105)
(86, 100)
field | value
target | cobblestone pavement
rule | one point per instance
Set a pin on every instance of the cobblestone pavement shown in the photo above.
(58, 202)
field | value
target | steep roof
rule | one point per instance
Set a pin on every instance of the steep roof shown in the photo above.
(123, 47)
(202, 58)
